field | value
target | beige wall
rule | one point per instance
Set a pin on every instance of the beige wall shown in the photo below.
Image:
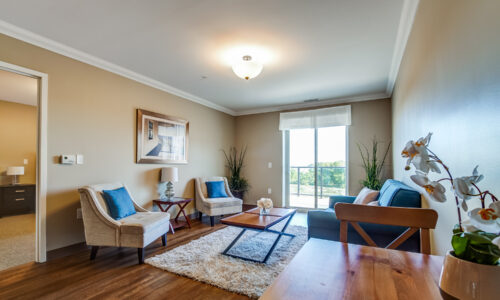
(449, 84)
(92, 112)
(18, 133)
(260, 134)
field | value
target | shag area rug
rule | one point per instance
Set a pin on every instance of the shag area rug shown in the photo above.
(202, 260)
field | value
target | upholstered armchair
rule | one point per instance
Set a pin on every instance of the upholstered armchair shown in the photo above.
(215, 206)
(135, 231)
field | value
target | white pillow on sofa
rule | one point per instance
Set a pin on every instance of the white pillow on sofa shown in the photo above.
(366, 196)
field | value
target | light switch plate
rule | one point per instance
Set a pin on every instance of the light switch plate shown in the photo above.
(79, 159)
(269, 165)
(269, 191)
(25, 161)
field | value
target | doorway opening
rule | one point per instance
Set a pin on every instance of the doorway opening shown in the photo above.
(317, 165)
(23, 165)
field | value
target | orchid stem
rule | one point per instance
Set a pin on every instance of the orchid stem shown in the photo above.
(439, 161)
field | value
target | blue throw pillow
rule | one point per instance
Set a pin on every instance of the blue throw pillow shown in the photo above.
(216, 189)
(119, 203)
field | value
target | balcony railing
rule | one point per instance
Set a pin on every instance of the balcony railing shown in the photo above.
(331, 181)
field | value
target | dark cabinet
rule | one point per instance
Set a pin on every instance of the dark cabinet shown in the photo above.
(17, 199)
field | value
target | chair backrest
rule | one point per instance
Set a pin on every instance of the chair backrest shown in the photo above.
(201, 187)
(415, 218)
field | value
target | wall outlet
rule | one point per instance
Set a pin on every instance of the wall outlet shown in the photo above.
(269, 191)
(79, 213)
(25, 161)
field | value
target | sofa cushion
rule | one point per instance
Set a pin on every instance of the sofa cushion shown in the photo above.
(216, 189)
(396, 193)
(143, 222)
(366, 196)
(119, 203)
(211, 203)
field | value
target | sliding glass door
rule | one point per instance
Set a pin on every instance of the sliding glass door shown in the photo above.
(315, 166)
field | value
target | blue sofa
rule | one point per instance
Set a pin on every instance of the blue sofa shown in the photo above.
(323, 224)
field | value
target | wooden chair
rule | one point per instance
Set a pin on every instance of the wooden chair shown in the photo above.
(415, 218)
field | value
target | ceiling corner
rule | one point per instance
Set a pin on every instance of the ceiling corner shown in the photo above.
(404, 29)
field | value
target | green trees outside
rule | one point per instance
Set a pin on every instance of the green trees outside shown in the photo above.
(331, 176)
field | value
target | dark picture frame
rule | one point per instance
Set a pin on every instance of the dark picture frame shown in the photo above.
(161, 139)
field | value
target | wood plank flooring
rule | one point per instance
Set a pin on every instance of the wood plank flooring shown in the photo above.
(114, 274)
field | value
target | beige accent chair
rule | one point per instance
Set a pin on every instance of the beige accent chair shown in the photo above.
(215, 206)
(135, 231)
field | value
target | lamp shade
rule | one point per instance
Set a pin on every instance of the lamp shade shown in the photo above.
(15, 171)
(169, 174)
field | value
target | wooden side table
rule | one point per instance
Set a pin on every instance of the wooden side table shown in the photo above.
(165, 205)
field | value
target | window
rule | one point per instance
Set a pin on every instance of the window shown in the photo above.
(315, 158)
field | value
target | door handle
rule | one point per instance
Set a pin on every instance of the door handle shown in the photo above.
(20, 191)
(19, 199)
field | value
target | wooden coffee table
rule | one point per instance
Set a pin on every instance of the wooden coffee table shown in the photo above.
(252, 220)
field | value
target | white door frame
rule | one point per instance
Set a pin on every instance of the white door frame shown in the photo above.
(41, 174)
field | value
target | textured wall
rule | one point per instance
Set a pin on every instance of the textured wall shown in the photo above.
(91, 111)
(261, 135)
(449, 84)
(18, 133)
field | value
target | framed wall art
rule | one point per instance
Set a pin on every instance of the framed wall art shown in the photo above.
(161, 139)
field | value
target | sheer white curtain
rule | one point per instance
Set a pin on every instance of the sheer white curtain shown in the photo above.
(316, 118)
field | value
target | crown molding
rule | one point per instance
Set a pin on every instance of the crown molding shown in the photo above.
(43, 42)
(342, 100)
(404, 29)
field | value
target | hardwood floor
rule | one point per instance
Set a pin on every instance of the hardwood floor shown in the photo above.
(114, 274)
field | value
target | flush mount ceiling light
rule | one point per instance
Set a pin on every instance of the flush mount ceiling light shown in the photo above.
(246, 68)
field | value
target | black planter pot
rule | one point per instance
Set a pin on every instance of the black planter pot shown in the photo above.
(238, 194)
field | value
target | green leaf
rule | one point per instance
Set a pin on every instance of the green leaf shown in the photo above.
(459, 244)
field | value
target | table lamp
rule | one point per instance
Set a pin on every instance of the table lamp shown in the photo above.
(15, 171)
(169, 175)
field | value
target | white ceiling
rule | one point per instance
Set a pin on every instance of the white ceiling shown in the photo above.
(319, 49)
(18, 88)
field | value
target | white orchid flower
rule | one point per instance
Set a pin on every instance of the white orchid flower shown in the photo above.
(433, 189)
(486, 219)
(496, 241)
(424, 141)
(463, 186)
(417, 154)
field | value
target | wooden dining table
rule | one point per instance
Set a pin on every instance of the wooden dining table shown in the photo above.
(325, 269)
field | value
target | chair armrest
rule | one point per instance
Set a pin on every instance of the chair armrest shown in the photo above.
(340, 199)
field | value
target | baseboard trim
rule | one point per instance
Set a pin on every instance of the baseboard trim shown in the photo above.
(82, 246)
(66, 251)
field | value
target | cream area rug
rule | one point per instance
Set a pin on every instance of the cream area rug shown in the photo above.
(202, 260)
(17, 240)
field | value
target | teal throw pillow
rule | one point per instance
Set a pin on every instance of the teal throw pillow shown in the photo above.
(119, 203)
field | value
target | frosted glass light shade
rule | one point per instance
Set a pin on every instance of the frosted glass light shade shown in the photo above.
(247, 68)
(15, 171)
(169, 174)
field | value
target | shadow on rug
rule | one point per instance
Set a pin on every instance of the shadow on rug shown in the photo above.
(202, 260)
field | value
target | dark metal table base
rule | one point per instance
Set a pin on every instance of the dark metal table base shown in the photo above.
(279, 233)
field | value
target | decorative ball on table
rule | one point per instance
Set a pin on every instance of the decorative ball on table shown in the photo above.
(265, 205)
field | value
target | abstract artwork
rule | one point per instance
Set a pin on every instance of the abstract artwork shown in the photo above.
(161, 139)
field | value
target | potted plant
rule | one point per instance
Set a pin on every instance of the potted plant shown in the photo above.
(471, 270)
(373, 167)
(234, 162)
